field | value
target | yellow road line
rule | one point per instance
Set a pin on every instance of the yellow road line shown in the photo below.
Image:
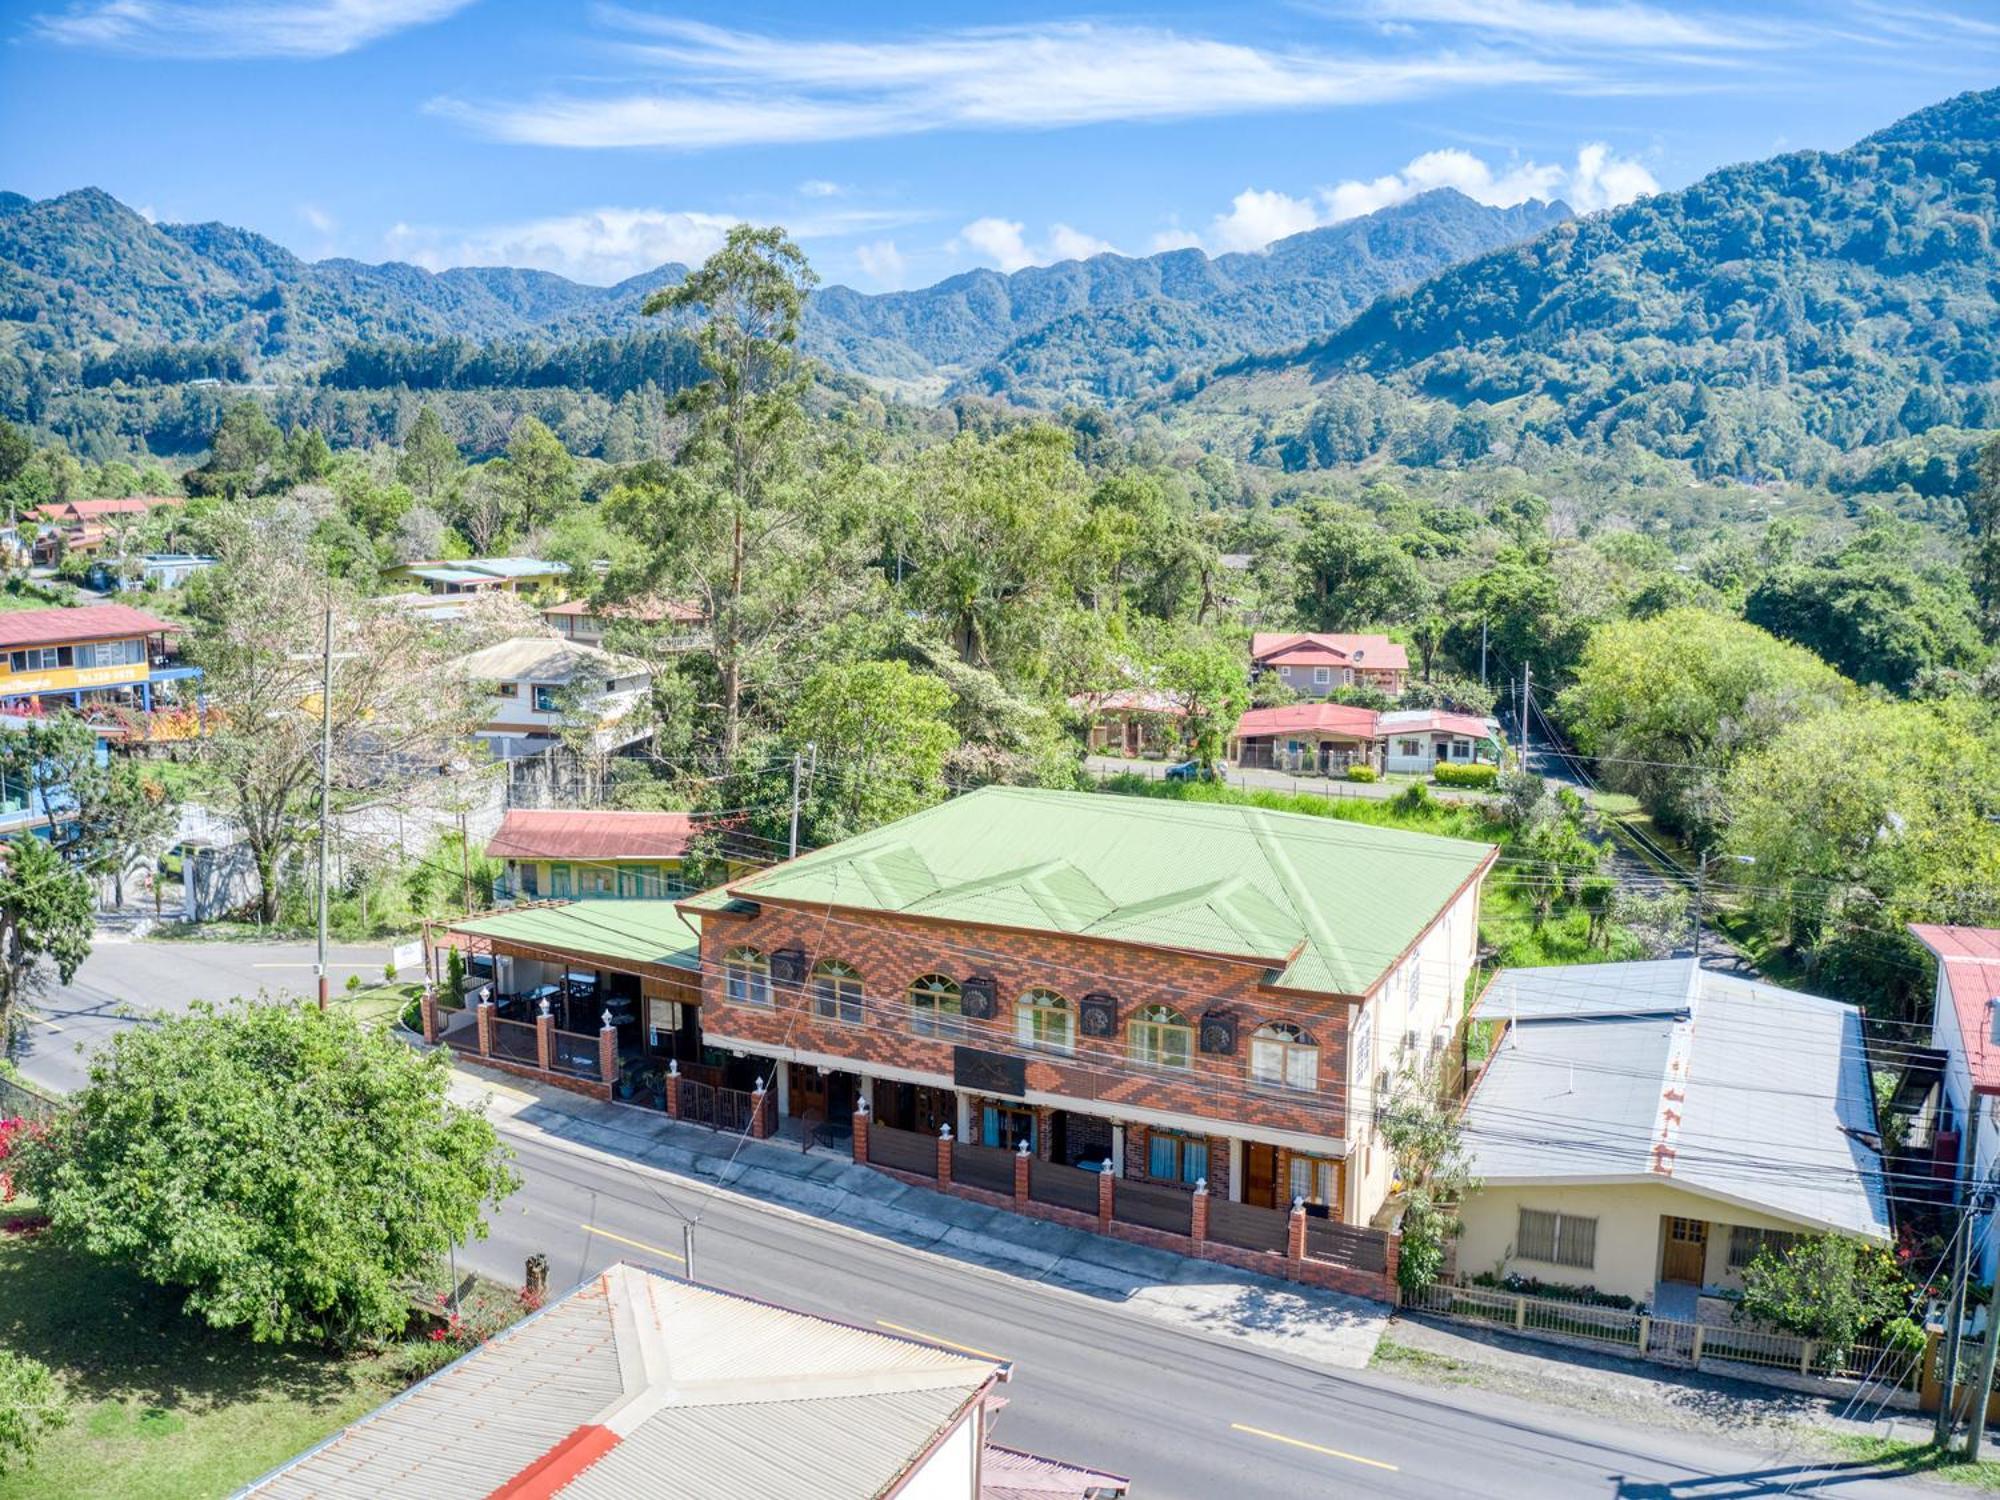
(605, 1234)
(931, 1338)
(1279, 1437)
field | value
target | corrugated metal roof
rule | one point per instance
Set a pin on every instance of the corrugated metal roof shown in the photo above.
(534, 834)
(702, 1394)
(1969, 960)
(1309, 718)
(1321, 648)
(1329, 903)
(636, 931)
(1742, 1091)
(546, 659)
(1008, 1474)
(90, 622)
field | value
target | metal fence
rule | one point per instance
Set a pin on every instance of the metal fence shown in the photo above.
(575, 1052)
(905, 1150)
(25, 1101)
(1064, 1187)
(1359, 1249)
(1246, 1225)
(1672, 1341)
(989, 1167)
(1153, 1205)
(516, 1040)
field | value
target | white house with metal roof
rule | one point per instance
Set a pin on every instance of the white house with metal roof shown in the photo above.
(637, 1383)
(540, 686)
(1643, 1128)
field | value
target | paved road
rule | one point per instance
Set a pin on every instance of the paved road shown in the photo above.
(123, 984)
(1276, 781)
(1186, 1416)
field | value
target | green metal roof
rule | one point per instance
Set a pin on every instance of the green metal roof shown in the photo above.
(647, 932)
(1245, 882)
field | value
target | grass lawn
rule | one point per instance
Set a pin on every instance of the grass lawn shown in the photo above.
(1918, 1458)
(378, 1004)
(160, 1404)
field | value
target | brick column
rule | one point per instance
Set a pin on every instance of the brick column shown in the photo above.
(1107, 1184)
(673, 1088)
(429, 1011)
(861, 1132)
(1392, 1258)
(485, 1019)
(944, 1157)
(1198, 1215)
(1295, 1235)
(607, 1051)
(1022, 1158)
(760, 1122)
(545, 1040)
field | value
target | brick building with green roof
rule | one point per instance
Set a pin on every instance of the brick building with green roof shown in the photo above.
(1190, 991)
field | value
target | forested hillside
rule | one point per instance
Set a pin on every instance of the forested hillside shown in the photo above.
(1760, 323)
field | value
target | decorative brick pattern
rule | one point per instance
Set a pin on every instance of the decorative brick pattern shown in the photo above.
(890, 952)
(545, 1042)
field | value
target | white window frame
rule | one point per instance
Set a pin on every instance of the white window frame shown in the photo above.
(1033, 1020)
(1571, 1239)
(1322, 676)
(1160, 1037)
(746, 975)
(1284, 1061)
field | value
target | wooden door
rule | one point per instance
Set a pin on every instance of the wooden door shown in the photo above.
(808, 1091)
(1260, 1175)
(1687, 1251)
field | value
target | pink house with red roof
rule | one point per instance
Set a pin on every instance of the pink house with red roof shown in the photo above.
(1314, 664)
(1965, 1027)
(1326, 738)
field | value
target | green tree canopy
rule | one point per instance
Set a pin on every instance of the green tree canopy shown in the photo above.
(1351, 574)
(45, 918)
(1669, 703)
(244, 457)
(430, 463)
(882, 736)
(288, 1168)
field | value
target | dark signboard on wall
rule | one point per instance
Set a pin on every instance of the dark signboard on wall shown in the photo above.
(989, 1072)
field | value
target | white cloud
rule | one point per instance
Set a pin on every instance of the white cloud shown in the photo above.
(1066, 243)
(1256, 218)
(999, 241)
(719, 87)
(881, 261)
(1619, 26)
(1598, 178)
(819, 187)
(236, 28)
(1003, 244)
(601, 247)
(1175, 238)
(317, 217)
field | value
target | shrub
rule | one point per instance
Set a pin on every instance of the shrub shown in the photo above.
(1479, 775)
(1362, 773)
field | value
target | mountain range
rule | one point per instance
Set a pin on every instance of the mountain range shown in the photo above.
(1760, 322)
(84, 275)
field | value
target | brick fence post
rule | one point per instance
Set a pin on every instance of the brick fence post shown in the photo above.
(760, 1123)
(1392, 1258)
(429, 1011)
(944, 1157)
(1107, 1184)
(861, 1133)
(1198, 1215)
(545, 1040)
(485, 1020)
(1022, 1158)
(673, 1088)
(607, 1050)
(1295, 1237)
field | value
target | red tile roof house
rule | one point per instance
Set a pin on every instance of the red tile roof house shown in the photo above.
(1965, 1026)
(1317, 738)
(83, 525)
(1201, 1004)
(638, 1383)
(564, 854)
(1314, 665)
(1132, 721)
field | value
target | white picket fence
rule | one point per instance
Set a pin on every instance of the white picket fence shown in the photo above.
(1745, 1351)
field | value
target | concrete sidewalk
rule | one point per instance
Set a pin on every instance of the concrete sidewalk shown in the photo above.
(1320, 1327)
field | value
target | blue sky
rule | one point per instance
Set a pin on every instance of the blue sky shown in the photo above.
(902, 143)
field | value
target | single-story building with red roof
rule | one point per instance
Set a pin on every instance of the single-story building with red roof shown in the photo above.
(564, 854)
(1418, 739)
(1132, 720)
(1322, 737)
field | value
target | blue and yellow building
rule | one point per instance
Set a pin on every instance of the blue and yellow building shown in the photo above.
(100, 653)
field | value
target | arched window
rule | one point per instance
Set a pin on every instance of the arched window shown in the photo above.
(836, 990)
(936, 1007)
(1042, 1019)
(1160, 1037)
(747, 975)
(1284, 1056)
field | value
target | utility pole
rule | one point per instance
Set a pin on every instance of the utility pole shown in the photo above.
(464, 865)
(798, 768)
(1983, 1393)
(1527, 689)
(325, 790)
(1482, 653)
(1954, 1314)
(687, 1251)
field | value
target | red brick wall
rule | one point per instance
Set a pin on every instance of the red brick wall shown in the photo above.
(890, 952)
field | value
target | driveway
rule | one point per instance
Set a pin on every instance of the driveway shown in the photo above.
(124, 984)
